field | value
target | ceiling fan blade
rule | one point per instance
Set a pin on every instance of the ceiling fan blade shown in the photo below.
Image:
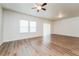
(43, 9)
(37, 10)
(34, 8)
(44, 4)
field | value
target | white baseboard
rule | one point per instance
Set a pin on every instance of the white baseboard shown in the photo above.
(67, 35)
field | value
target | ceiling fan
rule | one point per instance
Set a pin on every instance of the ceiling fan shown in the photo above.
(40, 6)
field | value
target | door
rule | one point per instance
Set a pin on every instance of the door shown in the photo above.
(46, 33)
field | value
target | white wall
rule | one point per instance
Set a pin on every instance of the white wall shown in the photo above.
(11, 25)
(69, 27)
(0, 24)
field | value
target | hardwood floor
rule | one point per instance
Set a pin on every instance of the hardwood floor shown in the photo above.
(57, 46)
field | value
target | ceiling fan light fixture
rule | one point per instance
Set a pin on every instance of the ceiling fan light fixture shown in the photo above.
(38, 7)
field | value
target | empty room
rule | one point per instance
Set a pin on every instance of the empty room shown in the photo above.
(39, 29)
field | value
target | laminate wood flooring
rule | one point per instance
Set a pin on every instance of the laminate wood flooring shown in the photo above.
(58, 46)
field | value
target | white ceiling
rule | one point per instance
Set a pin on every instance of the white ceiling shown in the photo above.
(52, 12)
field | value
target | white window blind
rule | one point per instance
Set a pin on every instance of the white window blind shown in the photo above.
(32, 26)
(23, 26)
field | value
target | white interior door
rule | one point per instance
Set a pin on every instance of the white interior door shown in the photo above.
(46, 29)
(46, 33)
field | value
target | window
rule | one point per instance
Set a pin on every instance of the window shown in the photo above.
(23, 26)
(27, 26)
(32, 26)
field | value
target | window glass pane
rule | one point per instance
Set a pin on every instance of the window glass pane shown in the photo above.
(32, 26)
(23, 26)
